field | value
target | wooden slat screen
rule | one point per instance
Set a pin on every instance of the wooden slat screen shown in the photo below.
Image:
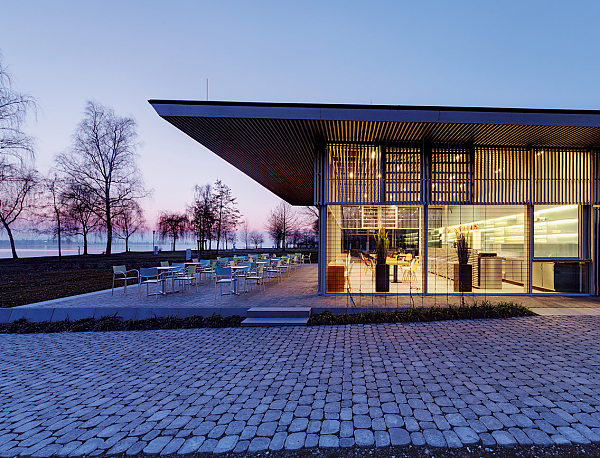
(482, 175)
(562, 176)
(353, 174)
(502, 175)
(403, 175)
(450, 174)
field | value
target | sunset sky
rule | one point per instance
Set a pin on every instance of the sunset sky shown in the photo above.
(541, 54)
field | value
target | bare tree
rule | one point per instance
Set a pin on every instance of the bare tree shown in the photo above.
(282, 221)
(17, 176)
(245, 232)
(16, 148)
(226, 212)
(129, 221)
(172, 225)
(310, 218)
(80, 212)
(16, 186)
(102, 160)
(231, 237)
(202, 213)
(52, 208)
(257, 239)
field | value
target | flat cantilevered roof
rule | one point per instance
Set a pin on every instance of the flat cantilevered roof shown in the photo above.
(274, 143)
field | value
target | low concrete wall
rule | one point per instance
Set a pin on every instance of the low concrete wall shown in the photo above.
(127, 313)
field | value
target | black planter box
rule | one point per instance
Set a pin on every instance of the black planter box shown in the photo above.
(382, 278)
(463, 278)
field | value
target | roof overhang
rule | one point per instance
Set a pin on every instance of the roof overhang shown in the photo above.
(274, 143)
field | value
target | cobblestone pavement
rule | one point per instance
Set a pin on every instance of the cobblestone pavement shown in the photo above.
(529, 380)
(297, 289)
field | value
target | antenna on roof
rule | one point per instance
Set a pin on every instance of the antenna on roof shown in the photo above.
(207, 89)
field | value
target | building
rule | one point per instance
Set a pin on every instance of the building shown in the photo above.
(521, 186)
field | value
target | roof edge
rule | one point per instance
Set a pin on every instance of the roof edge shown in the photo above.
(344, 106)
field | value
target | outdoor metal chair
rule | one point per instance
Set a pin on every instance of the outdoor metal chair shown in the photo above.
(120, 273)
(188, 276)
(223, 276)
(258, 276)
(150, 276)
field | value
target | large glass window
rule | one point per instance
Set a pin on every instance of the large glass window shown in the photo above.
(351, 248)
(556, 231)
(496, 238)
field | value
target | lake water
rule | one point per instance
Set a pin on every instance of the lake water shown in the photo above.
(37, 248)
(27, 249)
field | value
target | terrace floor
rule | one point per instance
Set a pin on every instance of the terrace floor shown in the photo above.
(298, 289)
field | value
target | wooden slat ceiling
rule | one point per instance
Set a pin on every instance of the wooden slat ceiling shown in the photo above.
(278, 153)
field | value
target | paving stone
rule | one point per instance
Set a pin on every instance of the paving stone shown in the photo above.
(467, 435)
(294, 391)
(587, 432)
(235, 428)
(411, 424)
(330, 427)
(347, 442)
(267, 429)
(523, 421)
(295, 441)
(208, 446)
(382, 439)
(278, 441)
(491, 423)
(487, 439)
(122, 446)
(47, 451)
(225, 445)
(572, 435)
(362, 421)
(417, 438)
(191, 445)
(328, 441)
(560, 440)
(504, 438)
(298, 424)
(88, 446)
(364, 437)
(172, 447)
(538, 437)
(378, 424)
(434, 438)
(136, 448)
(314, 426)
(259, 444)
(312, 440)
(452, 439)
(456, 419)
(69, 448)
(399, 436)
(156, 445)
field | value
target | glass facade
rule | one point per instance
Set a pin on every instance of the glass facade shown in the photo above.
(459, 219)
(500, 259)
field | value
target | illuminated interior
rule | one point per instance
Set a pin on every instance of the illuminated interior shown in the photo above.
(500, 257)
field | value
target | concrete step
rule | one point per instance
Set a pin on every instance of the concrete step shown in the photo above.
(279, 312)
(275, 322)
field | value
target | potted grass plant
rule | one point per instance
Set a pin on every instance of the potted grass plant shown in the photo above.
(382, 269)
(463, 271)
